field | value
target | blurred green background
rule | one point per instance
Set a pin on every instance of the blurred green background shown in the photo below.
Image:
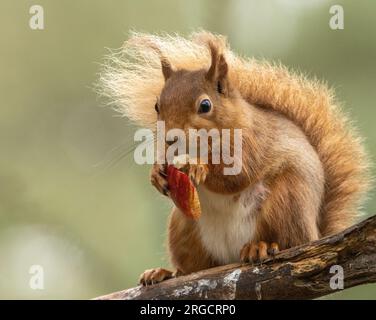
(68, 200)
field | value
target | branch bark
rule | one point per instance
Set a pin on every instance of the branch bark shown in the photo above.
(298, 273)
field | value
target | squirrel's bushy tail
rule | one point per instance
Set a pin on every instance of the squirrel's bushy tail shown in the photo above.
(311, 106)
(132, 78)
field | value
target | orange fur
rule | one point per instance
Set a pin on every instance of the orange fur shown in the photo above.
(187, 252)
(304, 170)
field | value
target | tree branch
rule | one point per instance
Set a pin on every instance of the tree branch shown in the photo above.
(298, 273)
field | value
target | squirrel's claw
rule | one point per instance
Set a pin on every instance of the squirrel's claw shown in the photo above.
(197, 173)
(152, 276)
(258, 252)
(158, 179)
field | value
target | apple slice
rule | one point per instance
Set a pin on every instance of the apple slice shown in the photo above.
(183, 193)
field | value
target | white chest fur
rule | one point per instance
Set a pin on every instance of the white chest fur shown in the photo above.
(227, 222)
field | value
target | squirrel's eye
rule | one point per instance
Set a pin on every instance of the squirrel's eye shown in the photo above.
(156, 108)
(205, 106)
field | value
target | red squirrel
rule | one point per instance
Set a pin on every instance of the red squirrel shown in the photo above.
(304, 171)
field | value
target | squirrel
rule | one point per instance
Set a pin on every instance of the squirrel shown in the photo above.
(304, 169)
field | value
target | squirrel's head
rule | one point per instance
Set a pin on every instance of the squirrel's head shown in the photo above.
(199, 99)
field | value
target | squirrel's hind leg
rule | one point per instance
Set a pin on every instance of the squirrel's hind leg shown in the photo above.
(152, 276)
(258, 251)
(289, 214)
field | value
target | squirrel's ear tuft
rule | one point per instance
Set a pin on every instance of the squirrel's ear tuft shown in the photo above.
(218, 70)
(167, 69)
(210, 75)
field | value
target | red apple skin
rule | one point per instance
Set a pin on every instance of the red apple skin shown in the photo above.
(183, 193)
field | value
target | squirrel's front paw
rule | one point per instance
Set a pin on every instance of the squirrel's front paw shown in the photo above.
(152, 276)
(158, 178)
(196, 171)
(258, 251)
